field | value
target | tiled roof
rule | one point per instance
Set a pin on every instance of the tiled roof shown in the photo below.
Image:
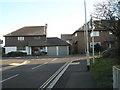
(98, 24)
(28, 31)
(53, 41)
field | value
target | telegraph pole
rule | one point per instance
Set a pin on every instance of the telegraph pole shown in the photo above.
(86, 29)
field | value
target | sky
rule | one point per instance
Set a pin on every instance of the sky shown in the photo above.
(62, 16)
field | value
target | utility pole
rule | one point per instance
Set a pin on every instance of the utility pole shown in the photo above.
(86, 29)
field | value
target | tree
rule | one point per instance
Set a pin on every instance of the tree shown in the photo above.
(109, 14)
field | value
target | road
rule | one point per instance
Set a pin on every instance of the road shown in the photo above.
(34, 73)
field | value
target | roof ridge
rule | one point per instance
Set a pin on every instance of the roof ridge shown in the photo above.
(28, 30)
(33, 26)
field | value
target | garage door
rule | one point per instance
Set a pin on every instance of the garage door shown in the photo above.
(52, 51)
(62, 50)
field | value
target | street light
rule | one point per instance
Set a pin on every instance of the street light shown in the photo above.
(92, 35)
(86, 29)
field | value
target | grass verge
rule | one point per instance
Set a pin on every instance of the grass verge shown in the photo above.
(102, 71)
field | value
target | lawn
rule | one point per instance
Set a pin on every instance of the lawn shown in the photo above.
(102, 71)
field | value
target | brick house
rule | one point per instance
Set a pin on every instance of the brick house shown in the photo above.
(33, 40)
(104, 38)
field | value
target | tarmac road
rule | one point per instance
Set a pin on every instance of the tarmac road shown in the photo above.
(77, 76)
(33, 74)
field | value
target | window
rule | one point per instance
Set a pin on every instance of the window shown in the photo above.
(89, 25)
(95, 43)
(75, 34)
(109, 45)
(110, 33)
(37, 38)
(21, 48)
(20, 38)
(41, 47)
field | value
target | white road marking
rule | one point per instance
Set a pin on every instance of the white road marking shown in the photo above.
(54, 59)
(39, 65)
(9, 78)
(51, 85)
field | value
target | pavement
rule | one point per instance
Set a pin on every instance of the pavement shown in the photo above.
(76, 76)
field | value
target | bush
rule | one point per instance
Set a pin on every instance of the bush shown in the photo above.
(43, 53)
(16, 54)
(111, 52)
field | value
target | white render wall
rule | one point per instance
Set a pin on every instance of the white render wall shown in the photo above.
(28, 51)
(46, 49)
(10, 49)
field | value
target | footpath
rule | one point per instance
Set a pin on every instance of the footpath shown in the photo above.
(76, 76)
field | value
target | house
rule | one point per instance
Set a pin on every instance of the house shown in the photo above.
(68, 39)
(104, 38)
(33, 40)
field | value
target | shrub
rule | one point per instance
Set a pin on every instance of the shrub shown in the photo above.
(16, 54)
(111, 52)
(43, 53)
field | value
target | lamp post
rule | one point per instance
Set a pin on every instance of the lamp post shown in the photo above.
(87, 44)
(92, 35)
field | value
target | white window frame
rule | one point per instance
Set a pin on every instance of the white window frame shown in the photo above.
(21, 48)
(110, 33)
(75, 34)
(20, 38)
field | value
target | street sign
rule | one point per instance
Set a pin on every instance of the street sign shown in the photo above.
(94, 33)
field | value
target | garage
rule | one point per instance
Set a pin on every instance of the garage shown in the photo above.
(51, 51)
(58, 50)
(53, 47)
(63, 50)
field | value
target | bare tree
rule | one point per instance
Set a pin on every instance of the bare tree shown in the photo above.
(110, 10)
(109, 14)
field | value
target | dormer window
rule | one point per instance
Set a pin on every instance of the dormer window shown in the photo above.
(20, 38)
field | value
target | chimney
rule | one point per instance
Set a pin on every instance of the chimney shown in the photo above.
(45, 29)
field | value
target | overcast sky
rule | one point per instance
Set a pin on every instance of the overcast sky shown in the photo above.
(62, 16)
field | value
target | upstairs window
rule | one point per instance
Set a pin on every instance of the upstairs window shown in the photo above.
(75, 34)
(20, 38)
